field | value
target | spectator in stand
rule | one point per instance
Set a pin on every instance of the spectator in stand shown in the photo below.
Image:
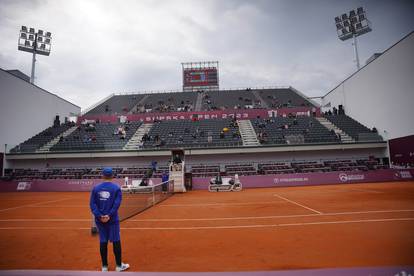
(123, 134)
(164, 180)
(154, 166)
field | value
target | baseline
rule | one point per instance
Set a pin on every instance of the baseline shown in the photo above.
(222, 227)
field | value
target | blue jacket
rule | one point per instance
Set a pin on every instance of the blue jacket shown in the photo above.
(105, 200)
(164, 177)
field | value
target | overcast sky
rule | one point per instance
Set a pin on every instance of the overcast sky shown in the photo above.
(103, 47)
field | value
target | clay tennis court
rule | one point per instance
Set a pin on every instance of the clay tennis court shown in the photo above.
(356, 225)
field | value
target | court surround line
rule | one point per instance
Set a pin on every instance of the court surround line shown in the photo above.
(33, 204)
(217, 219)
(220, 227)
(273, 217)
(298, 204)
(218, 204)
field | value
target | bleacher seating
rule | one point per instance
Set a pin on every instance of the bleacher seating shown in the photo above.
(189, 133)
(282, 130)
(37, 141)
(167, 102)
(211, 100)
(274, 168)
(140, 172)
(100, 136)
(240, 169)
(312, 166)
(205, 170)
(232, 99)
(353, 128)
(117, 104)
(277, 98)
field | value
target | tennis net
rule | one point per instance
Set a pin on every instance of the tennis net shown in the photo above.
(136, 199)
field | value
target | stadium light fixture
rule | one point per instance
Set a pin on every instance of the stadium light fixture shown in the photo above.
(353, 25)
(36, 43)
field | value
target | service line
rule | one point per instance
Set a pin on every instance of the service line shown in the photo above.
(298, 204)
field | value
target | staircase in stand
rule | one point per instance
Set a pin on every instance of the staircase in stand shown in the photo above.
(248, 135)
(345, 138)
(199, 102)
(135, 142)
(262, 102)
(135, 108)
(54, 141)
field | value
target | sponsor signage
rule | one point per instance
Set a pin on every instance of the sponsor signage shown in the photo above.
(204, 115)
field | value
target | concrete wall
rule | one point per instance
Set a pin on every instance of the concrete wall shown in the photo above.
(26, 110)
(381, 94)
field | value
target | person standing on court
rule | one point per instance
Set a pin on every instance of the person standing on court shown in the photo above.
(104, 203)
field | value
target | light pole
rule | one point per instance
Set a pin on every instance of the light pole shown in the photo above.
(387, 136)
(4, 160)
(353, 25)
(36, 43)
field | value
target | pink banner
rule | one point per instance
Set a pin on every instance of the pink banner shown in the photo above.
(199, 183)
(58, 185)
(205, 115)
(305, 179)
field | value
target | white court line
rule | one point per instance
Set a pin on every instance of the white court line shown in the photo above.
(218, 219)
(301, 205)
(365, 191)
(33, 204)
(219, 227)
(44, 220)
(179, 205)
(273, 217)
(266, 225)
(76, 206)
(218, 203)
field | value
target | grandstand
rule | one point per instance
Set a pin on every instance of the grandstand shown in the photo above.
(292, 137)
(165, 129)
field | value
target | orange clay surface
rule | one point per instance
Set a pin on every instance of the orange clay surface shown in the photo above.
(255, 229)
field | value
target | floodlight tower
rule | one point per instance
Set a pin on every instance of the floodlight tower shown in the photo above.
(36, 43)
(352, 25)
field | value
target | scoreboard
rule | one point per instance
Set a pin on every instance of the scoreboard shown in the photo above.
(200, 77)
(196, 76)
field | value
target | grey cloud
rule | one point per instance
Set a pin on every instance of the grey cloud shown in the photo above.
(103, 47)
